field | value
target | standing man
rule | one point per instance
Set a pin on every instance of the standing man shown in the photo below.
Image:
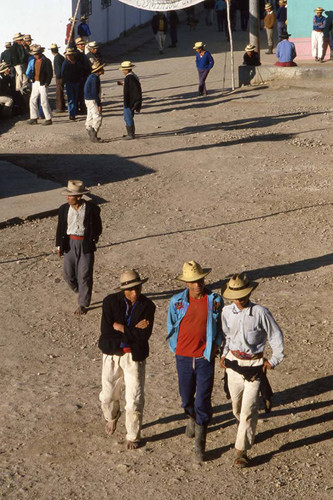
(40, 73)
(317, 39)
(92, 96)
(69, 40)
(18, 57)
(159, 24)
(71, 73)
(57, 65)
(247, 327)
(269, 22)
(221, 14)
(281, 17)
(127, 324)
(93, 54)
(83, 29)
(132, 97)
(204, 62)
(194, 334)
(79, 228)
(83, 60)
(173, 23)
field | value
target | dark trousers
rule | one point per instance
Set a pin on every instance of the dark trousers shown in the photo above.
(196, 380)
(203, 73)
(244, 15)
(221, 19)
(72, 90)
(173, 35)
(60, 98)
(78, 271)
(81, 105)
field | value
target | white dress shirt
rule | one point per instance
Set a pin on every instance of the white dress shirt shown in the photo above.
(75, 220)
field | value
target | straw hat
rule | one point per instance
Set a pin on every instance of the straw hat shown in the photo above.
(268, 6)
(238, 287)
(192, 271)
(250, 48)
(80, 41)
(27, 38)
(130, 279)
(36, 49)
(3, 67)
(70, 51)
(319, 9)
(54, 46)
(8, 44)
(71, 19)
(83, 18)
(17, 37)
(97, 66)
(75, 188)
(199, 45)
(93, 45)
(126, 65)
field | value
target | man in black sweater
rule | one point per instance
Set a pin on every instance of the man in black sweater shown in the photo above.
(57, 64)
(127, 323)
(79, 228)
(132, 97)
(40, 73)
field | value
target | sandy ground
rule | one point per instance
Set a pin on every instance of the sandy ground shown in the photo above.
(237, 181)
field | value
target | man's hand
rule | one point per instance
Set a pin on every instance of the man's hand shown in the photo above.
(214, 350)
(59, 253)
(142, 324)
(222, 365)
(266, 366)
(119, 327)
(100, 109)
(119, 82)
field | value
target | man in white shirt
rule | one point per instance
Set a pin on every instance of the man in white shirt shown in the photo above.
(247, 327)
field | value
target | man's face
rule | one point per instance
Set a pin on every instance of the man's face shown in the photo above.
(196, 288)
(132, 294)
(80, 46)
(93, 50)
(38, 56)
(242, 303)
(73, 200)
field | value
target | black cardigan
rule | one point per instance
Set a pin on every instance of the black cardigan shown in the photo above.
(114, 310)
(92, 228)
(132, 92)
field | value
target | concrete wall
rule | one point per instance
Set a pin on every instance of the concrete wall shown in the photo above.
(46, 20)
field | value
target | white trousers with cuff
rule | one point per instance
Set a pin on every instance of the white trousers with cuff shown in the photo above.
(21, 79)
(245, 403)
(116, 371)
(317, 42)
(94, 117)
(160, 38)
(42, 91)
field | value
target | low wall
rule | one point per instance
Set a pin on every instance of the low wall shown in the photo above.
(256, 75)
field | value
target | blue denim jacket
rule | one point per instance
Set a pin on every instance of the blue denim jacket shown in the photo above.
(177, 309)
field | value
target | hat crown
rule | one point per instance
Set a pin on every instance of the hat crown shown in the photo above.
(238, 282)
(36, 49)
(126, 64)
(191, 270)
(128, 276)
(76, 186)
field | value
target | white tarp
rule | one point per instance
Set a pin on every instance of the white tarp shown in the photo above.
(161, 5)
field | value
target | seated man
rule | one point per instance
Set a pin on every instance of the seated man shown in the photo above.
(6, 91)
(251, 57)
(285, 52)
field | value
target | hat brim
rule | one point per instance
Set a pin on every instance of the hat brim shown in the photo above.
(131, 285)
(67, 192)
(204, 273)
(128, 67)
(199, 47)
(238, 294)
(97, 69)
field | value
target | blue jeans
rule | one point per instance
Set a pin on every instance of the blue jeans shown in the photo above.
(203, 73)
(72, 90)
(196, 380)
(128, 117)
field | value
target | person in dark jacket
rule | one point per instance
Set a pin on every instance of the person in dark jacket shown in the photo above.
(79, 228)
(58, 61)
(132, 97)
(18, 57)
(84, 61)
(6, 91)
(83, 29)
(173, 22)
(40, 73)
(159, 23)
(251, 57)
(127, 324)
(71, 72)
(92, 97)
(6, 54)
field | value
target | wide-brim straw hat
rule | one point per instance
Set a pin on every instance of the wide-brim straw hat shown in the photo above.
(80, 41)
(3, 67)
(70, 51)
(27, 38)
(126, 65)
(198, 45)
(54, 46)
(268, 6)
(250, 48)
(71, 19)
(238, 287)
(8, 44)
(192, 271)
(93, 45)
(75, 188)
(319, 9)
(83, 18)
(96, 67)
(130, 279)
(18, 36)
(36, 49)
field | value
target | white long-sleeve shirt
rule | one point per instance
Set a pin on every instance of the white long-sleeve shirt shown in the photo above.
(248, 330)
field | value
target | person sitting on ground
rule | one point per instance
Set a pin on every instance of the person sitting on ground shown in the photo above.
(285, 52)
(6, 91)
(251, 57)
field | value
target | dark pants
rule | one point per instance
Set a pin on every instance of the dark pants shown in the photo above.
(173, 35)
(220, 15)
(72, 90)
(203, 73)
(60, 99)
(196, 380)
(244, 15)
(78, 271)
(81, 105)
(281, 28)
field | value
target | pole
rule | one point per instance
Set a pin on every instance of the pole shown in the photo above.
(255, 24)
(73, 23)
(231, 46)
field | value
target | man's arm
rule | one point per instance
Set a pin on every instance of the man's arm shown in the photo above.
(110, 338)
(275, 338)
(143, 329)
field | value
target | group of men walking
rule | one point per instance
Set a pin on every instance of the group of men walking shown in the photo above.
(199, 328)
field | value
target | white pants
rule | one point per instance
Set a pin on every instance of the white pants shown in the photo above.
(42, 91)
(317, 40)
(21, 78)
(160, 38)
(116, 370)
(6, 101)
(94, 117)
(245, 403)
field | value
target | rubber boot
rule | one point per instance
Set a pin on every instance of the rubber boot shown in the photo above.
(89, 131)
(270, 50)
(200, 442)
(93, 135)
(190, 428)
(130, 133)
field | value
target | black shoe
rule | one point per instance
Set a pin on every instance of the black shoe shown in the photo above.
(47, 122)
(32, 121)
(72, 118)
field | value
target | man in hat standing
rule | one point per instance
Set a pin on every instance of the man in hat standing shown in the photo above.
(93, 54)
(195, 334)
(159, 24)
(58, 61)
(204, 62)
(71, 73)
(6, 54)
(127, 324)
(40, 73)
(83, 60)
(83, 29)
(247, 327)
(79, 228)
(69, 40)
(92, 97)
(285, 52)
(132, 96)
(19, 58)
(269, 23)
(317, 38)
(281, 18)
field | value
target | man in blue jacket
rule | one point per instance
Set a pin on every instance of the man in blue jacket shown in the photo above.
(204, 62)
(195, 334)
(92, 98)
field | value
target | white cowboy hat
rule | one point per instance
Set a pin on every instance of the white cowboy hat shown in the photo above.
(130, 279)
(75, 188)
(250, 47)
(192, 271)
(36, 49)
(238, 287)
(126, 65)
(18, 36)
(93, 45)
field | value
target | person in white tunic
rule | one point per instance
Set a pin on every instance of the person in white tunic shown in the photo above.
(247, 327)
